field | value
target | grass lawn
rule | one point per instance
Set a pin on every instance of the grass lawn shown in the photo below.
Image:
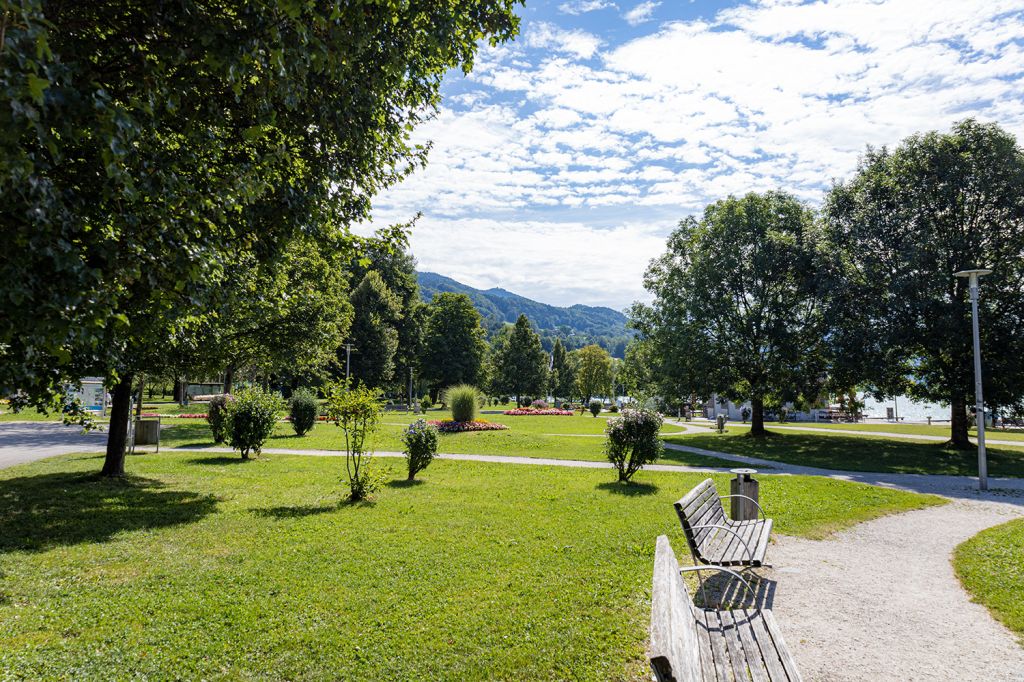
(201, 566)
(991, 567)
(909, 429)
(552, 437)
(858, 453)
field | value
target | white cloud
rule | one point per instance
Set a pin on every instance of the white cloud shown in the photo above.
(566, 127)
(641, 13)
(584, 6)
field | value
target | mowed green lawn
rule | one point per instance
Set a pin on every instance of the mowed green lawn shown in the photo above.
(991, 567)
(551, 437)
(858, 453)
(201, 566)
(939, 430)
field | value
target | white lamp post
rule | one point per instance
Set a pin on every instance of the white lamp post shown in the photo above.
(979, 403)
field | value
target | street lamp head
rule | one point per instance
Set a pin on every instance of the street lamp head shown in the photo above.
(977, 272)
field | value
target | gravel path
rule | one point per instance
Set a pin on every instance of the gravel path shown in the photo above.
(880, 601)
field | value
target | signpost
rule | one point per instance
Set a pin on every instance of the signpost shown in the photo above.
(979, 403)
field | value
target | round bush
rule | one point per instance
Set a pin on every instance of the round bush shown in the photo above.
(251, 418)
(420, 439)
(304, 408)
(216, 416)
(463, 400)
(633, 441)
(426, 403)
(595, 407)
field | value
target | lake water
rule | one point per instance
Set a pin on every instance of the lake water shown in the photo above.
(907, 409)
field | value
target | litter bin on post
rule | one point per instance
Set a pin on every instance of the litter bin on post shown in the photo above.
(742, 509)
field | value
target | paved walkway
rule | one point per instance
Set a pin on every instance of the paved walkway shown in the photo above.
(22, 442)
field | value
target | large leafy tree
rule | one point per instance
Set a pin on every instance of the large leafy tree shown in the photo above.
(562, 377)
(520, 363)
(637, 374)
(735, 308)
(377, 312)
(593, 372)
(454, 348)
(898, 230)
(145, 145)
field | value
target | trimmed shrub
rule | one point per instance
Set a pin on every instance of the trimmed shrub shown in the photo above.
(251, 418)
(463, 399)
(595, 407)
(614, 409)
(303, 411)
(504, 399)
(420, 439)
(633, 441)
(426, 403)
(216, 416)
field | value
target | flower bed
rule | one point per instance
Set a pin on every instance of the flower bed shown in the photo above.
(190, 416)
(531, 411)
(451, 426)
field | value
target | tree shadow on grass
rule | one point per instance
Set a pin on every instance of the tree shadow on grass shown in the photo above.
(404, 483)
(631, 489)
(38, 513)
(295, 512)
(219, 461)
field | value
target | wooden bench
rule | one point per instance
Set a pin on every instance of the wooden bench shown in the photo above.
(689, 644)
(714, 538)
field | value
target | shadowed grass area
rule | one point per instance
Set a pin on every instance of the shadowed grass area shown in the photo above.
(482, 571)
(858, 453)
(550, 437)
(991, 567)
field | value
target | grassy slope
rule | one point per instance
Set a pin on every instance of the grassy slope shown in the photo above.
(552, 437)
(858, 453)
(991, 567)
(201, 566)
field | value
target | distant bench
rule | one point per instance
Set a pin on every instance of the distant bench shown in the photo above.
(716, 539)
(689, 644)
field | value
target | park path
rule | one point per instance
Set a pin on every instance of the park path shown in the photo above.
(878, 601)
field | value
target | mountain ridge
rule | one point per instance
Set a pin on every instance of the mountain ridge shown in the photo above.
(577, 325)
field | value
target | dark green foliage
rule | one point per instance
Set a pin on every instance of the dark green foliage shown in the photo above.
(463, 400)
(897, 230)
(563, 380)
(420, 440)
(216, 416)
(374, 333)
(251, 418)
(520, 364)
(453, 342)
(592, 368)
(357, 411)
(146, 148)
(579, 325)
(595, 407)
(426, 403)
(736, 308)
(303, 410)
(633, 441)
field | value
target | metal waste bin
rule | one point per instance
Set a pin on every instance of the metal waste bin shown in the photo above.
(743, 509)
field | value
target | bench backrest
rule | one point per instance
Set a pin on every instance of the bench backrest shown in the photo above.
(700, 507)
(673, 650)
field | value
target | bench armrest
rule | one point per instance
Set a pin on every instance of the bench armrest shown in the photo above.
(719, 526)
(763, 517)
(723, 569)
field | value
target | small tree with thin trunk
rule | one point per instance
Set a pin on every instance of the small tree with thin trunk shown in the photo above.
(356, 412)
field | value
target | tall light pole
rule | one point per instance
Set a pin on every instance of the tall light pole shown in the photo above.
(979, 402)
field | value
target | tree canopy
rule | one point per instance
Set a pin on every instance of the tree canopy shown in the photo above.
(520, 364)
(453, 342)
(897, 231)
(593, 370)
(374, 334)
(735, 309)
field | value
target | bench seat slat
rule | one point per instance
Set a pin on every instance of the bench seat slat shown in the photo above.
(752, 652)
(780, 646)
(769, 654)
(732, 642)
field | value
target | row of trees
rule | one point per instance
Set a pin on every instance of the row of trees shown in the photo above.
(763, 299)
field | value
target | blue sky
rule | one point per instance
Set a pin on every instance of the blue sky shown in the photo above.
(562, 162)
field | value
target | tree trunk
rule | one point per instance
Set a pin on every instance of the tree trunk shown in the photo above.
(757, 417)
(958, 423)
(229, 378)
(142, 387)
(120, 413)
(178, 391)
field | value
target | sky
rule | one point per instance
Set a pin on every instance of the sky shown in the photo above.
(562, 162)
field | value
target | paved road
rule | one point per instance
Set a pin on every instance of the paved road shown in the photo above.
(22, 442)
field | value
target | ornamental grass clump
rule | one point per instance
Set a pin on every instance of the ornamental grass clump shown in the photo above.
(251, 418)
(633, 441)
(420, 439)
(357, 413)
(464, 401)
(216, 416)
(303, 411)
